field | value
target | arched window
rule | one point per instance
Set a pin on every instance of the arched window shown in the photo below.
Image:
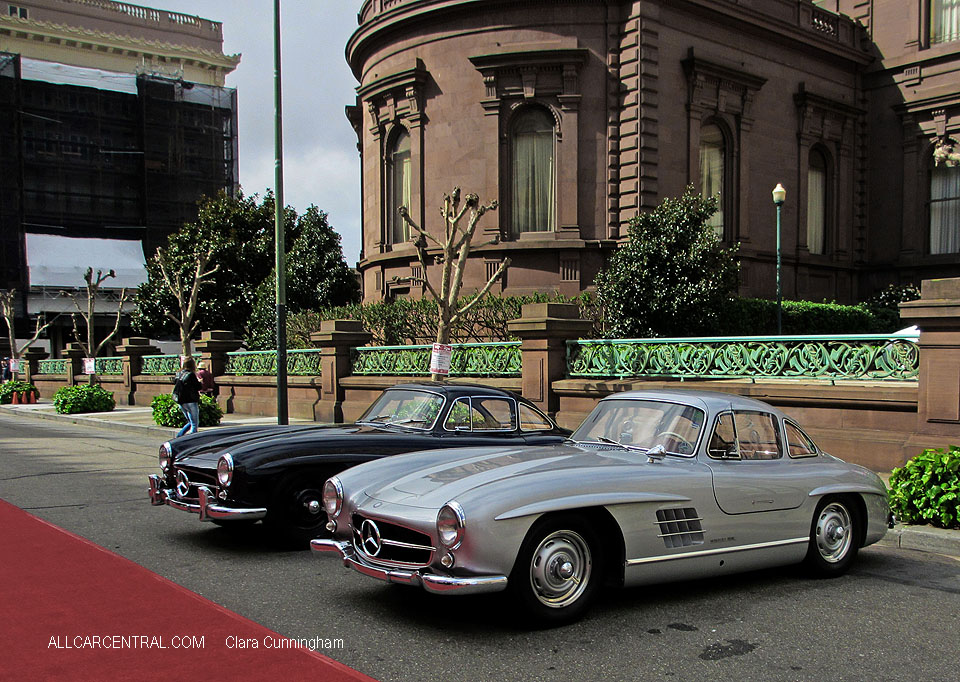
(713, 156)
(945, 209)
(533, 172)
(398, 186)
(817, 202)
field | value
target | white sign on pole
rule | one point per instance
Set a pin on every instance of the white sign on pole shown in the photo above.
(440, 358)
(89, 365)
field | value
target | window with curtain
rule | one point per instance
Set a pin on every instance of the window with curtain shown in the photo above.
(398, 186)
(816, 202)
(533, 172)
(945, 209)
(945, 21)
(712, 163)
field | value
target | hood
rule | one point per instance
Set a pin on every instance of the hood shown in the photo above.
(447, 478)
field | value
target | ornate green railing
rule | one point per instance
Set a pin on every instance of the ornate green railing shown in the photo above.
(109, 366)
(499, 359)
(58, 366)
(300, 362)
(857, 356)
(159, 365)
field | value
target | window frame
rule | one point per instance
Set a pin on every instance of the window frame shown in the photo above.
(391, 190)
(786, 439)
(469, 400)
(817, 151)
(777, 428)
(725, 201)
(930, 204)
(515, 121)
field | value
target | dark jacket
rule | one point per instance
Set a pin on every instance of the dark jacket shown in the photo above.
(189, 391)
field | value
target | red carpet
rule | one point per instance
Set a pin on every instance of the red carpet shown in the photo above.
(71, 610)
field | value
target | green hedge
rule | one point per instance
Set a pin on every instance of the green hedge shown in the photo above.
(166, 411)
(8, 389)
(83, 398)
(758, 317)
(927, 488)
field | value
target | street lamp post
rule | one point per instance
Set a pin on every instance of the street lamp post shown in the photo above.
(281, 286)
(779, 196)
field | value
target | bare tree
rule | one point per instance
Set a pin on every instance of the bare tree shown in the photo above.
(184, 284)
(454, 252)
(93, 285)
(8, 299)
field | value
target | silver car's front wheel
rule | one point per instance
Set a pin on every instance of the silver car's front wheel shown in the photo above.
(834, 537)
(558, 569)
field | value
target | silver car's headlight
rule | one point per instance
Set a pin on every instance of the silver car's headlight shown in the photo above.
(332, 496)
(450, 524)
(225, 470)
(166, 457)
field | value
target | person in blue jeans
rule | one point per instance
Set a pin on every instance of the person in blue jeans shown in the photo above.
(187, 389)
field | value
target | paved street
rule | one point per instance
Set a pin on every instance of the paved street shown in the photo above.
(895, 616)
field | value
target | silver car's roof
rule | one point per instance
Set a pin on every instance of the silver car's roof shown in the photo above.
(712, 401)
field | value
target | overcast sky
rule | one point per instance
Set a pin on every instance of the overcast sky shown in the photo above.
(321, 164)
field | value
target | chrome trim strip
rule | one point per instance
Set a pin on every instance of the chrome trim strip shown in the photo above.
(721, 550)
(407, 545)
(692, 518)
(682, 532)
(439, 584)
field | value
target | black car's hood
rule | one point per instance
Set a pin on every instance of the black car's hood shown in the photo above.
(280, 444)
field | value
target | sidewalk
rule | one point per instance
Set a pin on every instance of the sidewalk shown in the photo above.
(131, 419)
(922, 538)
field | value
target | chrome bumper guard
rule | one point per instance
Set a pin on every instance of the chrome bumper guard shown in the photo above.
(431, 582)
(206, 507)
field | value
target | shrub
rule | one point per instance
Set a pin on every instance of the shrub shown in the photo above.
(83, 398)
(8, 389)
(927, 488)
(673, 275)
(758, 317)
(166, 411)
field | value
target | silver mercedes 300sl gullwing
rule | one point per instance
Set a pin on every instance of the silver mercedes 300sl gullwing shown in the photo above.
(654, 486)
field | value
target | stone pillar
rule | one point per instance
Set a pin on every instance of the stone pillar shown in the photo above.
(213, 347)
(132, 351)
(544, 329)
(335, 340)
(937, 314)
(75, 354)
(30, 362)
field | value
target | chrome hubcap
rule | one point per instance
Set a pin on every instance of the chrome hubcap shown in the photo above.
(560, 568)
(833, 534)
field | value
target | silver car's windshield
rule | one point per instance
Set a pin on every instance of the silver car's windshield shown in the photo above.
(399, 407)
(644, 424)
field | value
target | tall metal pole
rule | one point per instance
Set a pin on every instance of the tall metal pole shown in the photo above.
(278, 228)
(779, 290)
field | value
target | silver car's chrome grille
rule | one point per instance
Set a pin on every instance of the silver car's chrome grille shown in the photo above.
(680, 527)
(388, 543)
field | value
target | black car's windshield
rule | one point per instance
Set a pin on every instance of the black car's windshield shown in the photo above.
(643, 424)
(402, 407)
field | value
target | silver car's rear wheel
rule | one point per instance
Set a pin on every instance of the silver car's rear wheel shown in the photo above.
(834, 536)
(560, 568)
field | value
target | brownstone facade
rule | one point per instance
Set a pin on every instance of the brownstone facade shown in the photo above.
(578, 114)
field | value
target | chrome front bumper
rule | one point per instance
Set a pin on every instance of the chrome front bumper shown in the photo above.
(431, 582)
(206, 505)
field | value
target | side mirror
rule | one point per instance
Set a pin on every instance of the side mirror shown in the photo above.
(656, 453)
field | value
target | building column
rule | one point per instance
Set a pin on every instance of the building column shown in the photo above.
(132, 350)
(544, 329)
(336, 339)
(213, 347)
(74, 353)
(30, 362)
(937, 314)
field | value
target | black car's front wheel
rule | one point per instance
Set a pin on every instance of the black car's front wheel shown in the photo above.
(297, 511)
(558, 570)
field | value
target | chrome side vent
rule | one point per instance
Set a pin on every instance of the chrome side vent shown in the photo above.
(680, 527)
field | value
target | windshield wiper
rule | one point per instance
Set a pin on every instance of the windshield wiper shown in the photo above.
(627, 446)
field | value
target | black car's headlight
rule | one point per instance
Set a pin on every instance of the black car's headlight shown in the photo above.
(450, 524)
(332, 496)
(166, 457)
(225, 470)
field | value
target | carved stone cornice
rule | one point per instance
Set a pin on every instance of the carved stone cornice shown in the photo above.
(716, 87)
(397, 95)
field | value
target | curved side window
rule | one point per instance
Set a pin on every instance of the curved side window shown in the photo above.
(799, 444)
(533, 420)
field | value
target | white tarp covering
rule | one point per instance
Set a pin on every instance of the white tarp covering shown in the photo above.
(54, 261)
(62, 74)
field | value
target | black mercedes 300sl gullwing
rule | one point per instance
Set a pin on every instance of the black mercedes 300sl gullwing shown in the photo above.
(276, 473)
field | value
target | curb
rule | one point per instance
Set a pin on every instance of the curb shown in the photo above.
(89, 421)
